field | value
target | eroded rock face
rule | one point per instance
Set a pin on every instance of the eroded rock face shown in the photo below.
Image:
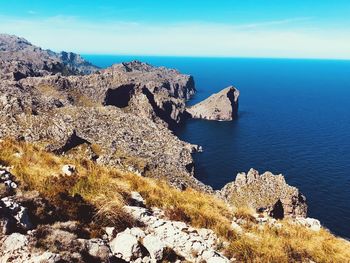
(222, 106)
(265, 192)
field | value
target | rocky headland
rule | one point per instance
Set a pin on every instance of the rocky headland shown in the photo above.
(222, 106)
(92, 172)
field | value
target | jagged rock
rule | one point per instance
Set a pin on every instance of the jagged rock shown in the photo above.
(20, 59)
(70, 111)
(154, 246)
(126, 246)
(267, 191)
(222, 106)
(192, 244)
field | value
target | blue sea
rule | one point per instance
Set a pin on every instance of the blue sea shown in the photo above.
(294, 119)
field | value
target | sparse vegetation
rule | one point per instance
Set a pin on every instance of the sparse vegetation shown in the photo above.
(103, 191)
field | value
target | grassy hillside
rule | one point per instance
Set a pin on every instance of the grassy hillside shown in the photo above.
(106, 190)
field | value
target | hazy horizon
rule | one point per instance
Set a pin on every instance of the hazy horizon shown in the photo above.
(240, 28)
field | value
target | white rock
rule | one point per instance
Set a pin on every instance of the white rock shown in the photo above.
(217, 259)
(137, 199)
(311, 223)
(14, 241)
(137, 232)
(109, 231)
(68, 169)
(154, 246)
(125, 246)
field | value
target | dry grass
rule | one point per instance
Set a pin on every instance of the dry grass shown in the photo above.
(108, 190)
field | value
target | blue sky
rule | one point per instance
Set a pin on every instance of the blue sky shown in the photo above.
(238, 28)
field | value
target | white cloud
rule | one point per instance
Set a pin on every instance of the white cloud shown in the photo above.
(183, 39)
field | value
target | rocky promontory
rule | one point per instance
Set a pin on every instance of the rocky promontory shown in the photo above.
(222, 106)
(266, 192)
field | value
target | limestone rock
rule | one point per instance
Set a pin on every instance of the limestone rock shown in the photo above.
(222, 106)
(154, 246)
(126, 247)
(311, 223)
(68, 169)
(266, 191)
(194, 245)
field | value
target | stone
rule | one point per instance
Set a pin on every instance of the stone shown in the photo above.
(125, 246)
(154, 246)
(222, 106)
(311, 223)
(68, 169)
(14, 242)
(97, 248)
(136, 199)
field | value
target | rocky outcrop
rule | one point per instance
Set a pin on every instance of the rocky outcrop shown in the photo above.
(222, 106)
(265, 192)
(124, 110)
(42, 233)
(20, 59)
(157, 93)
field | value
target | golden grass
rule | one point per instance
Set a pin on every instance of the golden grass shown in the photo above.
(108, 190)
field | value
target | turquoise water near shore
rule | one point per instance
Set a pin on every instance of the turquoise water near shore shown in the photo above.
(294, 119)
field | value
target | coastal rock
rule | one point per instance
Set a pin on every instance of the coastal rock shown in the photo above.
(222, 106)
(70, 112)
(266, 192)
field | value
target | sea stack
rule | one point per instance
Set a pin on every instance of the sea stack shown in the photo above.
(221, 106)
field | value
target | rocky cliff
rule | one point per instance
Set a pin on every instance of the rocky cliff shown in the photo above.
(123, 110)
(222, 106)
(266, 192)
(20, 59)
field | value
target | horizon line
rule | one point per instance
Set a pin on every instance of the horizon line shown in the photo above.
(209, 56)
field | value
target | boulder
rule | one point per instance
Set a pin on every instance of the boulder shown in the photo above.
(13, 242)
(126, 246)
(154, 246)
(222, 106)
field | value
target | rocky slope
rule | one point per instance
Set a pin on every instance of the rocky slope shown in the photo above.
(20, 59)
(123, 110)
(222, 106)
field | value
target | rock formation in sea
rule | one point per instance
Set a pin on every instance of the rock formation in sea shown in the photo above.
(222, 106)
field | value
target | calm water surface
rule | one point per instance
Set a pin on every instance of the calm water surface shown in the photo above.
(294, 118)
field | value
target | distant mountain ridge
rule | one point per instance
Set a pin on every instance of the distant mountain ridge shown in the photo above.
(19, 59)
